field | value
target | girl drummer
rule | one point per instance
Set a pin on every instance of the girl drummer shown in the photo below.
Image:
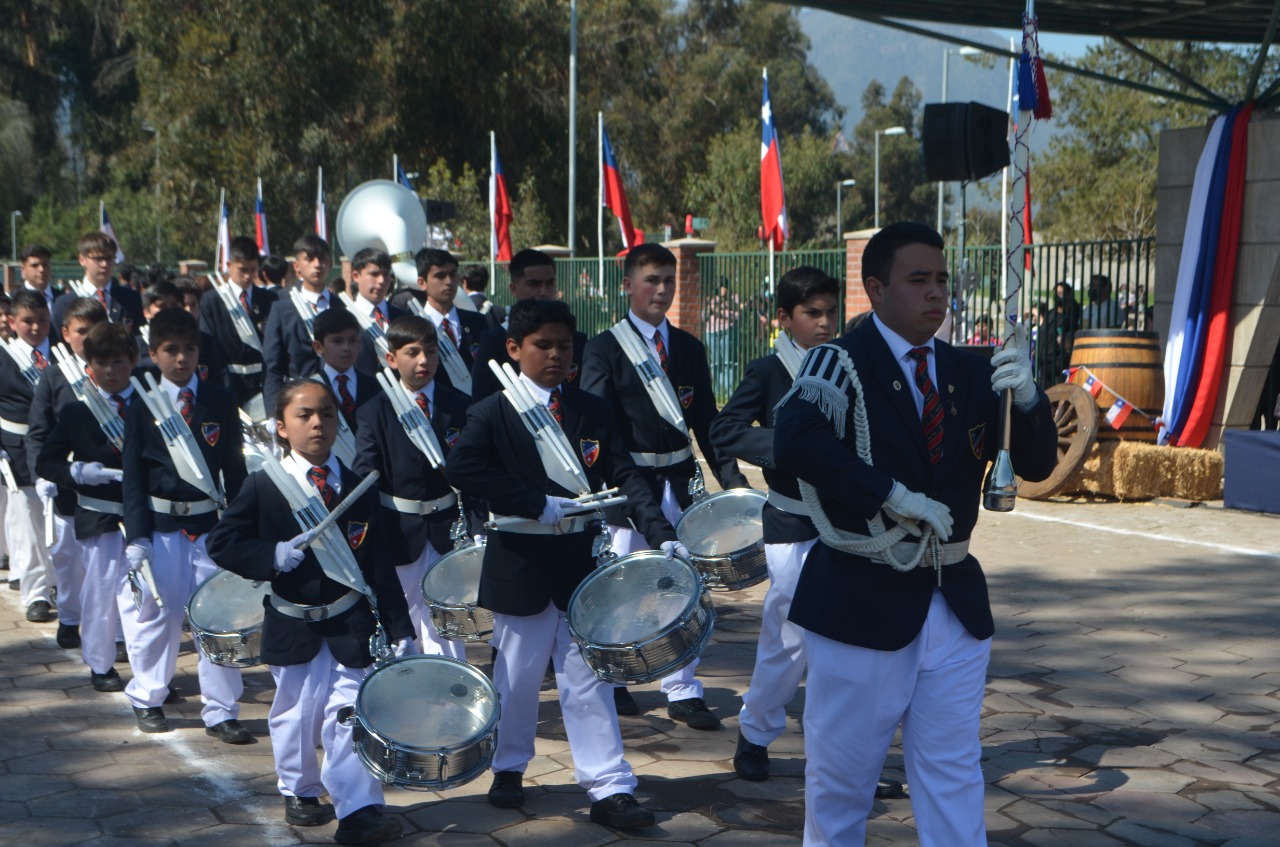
(316, 631)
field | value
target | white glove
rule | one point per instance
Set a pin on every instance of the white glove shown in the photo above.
(903, 503)
(1012, 370)
(138, 551)
(553, 512)
(405, 647)
(45, 489)
(289, 554)
(93, 473)
(4, 454)
(673, 549)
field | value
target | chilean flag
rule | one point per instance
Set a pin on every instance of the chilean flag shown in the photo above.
(499, 207)
(104, 226)
(1118, 414)
(1093, 385)
(613, 194)
(224, 236)
(260, 224)
(773, 203)
(322, 217)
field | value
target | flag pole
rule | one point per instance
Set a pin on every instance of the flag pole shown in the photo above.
(493, 201)
(217, 230)
(395, 167)
(102, 211)
(1004, 183)
(600, 204)
(770, 265)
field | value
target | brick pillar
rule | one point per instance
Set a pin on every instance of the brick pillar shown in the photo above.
(855, 296)
(686, 309)
(344, 268)
(11, 276)
(194, 267)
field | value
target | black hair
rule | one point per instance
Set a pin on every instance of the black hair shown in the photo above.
(410, 329)
(877, 258)
(96, 242)
(6, 305)
(371, 256)
(799, 284)
(127, 272)
(38, 251)
(526, 259)
(173, 325)
(107, 340)
(159, 292)
(647, 255)
(312, 246)
(243, 248)
(476, 277)
(338, 285)
(528, 316)
(85, 309)
(332, 321)
(25, 298)
(285, 396)
(273, 269)
(187, 284)
(430, 257)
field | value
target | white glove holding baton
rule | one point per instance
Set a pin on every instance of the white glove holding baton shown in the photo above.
(553, 511)
(138, 551)
(289, 554)
(94, 473)
(45, 489)
(903, 503)
(1012, 370)
(674, 548)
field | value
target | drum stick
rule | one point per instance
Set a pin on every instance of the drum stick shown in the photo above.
(147, 576)
(568, 512)
(341, 508)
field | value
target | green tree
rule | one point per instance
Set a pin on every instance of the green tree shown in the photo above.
(904, 193)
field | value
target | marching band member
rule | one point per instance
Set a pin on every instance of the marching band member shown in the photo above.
(166, 518)
(244, 367)
(98, 258)
(165, 294)
(658, 436)
(315, 635)
(438, 280)
(286, 341)
(893, 429)
(371, 278)
(338, 345)
(530, 570)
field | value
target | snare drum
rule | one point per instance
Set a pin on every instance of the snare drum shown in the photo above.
(451, 588)
(425, 723)
(725, 536)
(641, 617)
(226, 619)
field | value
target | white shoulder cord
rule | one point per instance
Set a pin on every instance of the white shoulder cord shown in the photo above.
(834, 404)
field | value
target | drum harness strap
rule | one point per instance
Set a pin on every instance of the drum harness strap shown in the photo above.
(821, 381)
(315, 613)
(93, 504)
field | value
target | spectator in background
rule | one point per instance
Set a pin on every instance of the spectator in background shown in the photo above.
(36, 269)
(1057, 336)
(982, 332)
(475, 279)
(272, 272)
(722, 312)
(127, 272)
(1103, 312)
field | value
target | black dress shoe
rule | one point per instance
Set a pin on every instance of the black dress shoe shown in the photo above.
(307, 811)
(151, 719)
(506, 791)
(39, 612)
(367, 826)
(621, 811)
(109, 681)
(886, 788)
(693, 712)
(229, 732)
(751, 761)
(122, 655)
(623, 703)
(15, 585)
(68, 636)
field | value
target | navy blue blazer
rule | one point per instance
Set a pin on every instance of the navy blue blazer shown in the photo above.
(286, 348)
(16, 395)
(215, 321)
(493, 347)
(473, 327)
(369, 362)
(850, 598)
(77, 433)
(125, 305)
(52, 393)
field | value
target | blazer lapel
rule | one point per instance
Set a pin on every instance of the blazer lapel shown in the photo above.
(955, 442)
(888, 374)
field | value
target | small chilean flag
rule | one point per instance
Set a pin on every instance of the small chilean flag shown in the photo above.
(1093, 385)
(773, 203)
(104, 226)
(499, 206)
(260, 224)
(322, 217)
(1118, 414)
(224, 236)
(613, 196)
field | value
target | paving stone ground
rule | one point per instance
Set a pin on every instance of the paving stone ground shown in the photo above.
(1132, 701)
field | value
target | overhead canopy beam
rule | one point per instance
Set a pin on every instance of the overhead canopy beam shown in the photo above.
(1170, 17)
(1168, 69)
(1262, 52)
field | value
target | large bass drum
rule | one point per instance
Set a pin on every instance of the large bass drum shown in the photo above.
(451, 589)
(425, 723)
(226, 615)
(641, 617)
(725, 536)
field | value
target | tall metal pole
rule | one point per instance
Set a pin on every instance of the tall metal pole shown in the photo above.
(573, 124)
(13, 231)
(877, 192)
(839, 217)
(156, 177)
(600, 199)
(946, 61)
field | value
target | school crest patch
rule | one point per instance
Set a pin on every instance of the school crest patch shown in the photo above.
(475, 348)
(686, 395)
(977, 439)
(573, 372)
(451, 435)
(211, 431)
(204, 373)
(356, 532)
(590, 451)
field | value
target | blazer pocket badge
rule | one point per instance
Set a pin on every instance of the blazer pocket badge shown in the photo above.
(977, 439)
(573, 372)
(355, 533)
(686, 395)
(590, 451)
(211, 431)
(204, 373)
(451, 435)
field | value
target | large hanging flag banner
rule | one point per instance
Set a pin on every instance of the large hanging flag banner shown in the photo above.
(104, 226)
(223, 250)
(322, 216)
(773, 202)
(499, 207)
(613, 196)
(260, 224)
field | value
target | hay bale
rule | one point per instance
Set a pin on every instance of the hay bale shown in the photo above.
(1198, 474)
(1139, 470)
(1094, 476)
(1134, 470)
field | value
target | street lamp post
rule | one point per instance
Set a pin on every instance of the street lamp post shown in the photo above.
(13, 231)
(893, 130)
(147, 127)
(947, 52)
(840, 186)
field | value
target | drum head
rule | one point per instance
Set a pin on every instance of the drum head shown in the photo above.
(723, 523)
(633, 599)
(428, 702)
(454, 579)
(226, 603)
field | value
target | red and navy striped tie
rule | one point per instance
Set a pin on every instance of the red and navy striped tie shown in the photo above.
(931, 416)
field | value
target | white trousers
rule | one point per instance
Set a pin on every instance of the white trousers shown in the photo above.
(681, 685)
(28, 557)
(524, 645)
(780, 656)
(429, 640)
(4, 535)
(105, 599)
(304, 715)
(856, 698)
(68, 566)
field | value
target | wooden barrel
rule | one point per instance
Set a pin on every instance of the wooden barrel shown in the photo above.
(1130, 365)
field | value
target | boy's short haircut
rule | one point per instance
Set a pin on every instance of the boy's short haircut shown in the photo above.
(107, 340)
(877, 257)
(169, 325)
(25, 298)
(83, 309)
(243, 249)
(526, 259)
(431, 257)
(6, 305)
(476, 277)
(274, 269)
(338, 285)
(370, 256)
(187, 284)
(127, 272)
(160, 292)
(332, 321)
(799, 284)
(410, 329)
(528, 316)
(647, 256)
(96, 242)
(312, 246)
(36, 251)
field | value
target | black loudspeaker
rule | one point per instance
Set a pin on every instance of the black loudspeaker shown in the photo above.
(963, 141)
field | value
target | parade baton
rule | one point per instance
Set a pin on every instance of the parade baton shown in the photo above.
(144, 568)
(26, 367)
(340, 509)
(656, 384)
(6, 471)
(412, 419)
(71, 369)
(459, 376)
(305, 311)
(240, 319)
(370, 326)
(583, 508)
(179, 441)
(562, 465)
(49, 533)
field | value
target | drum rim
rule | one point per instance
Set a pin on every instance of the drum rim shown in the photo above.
(694, 600)
(216, 632)
(489, 728)
(422, 584)
(720, 495)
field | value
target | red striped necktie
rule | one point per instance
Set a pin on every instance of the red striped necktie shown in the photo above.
(186, 400)
(661, 348)
(553, 406)
(344, 396)
(931, 415)
(319, 477)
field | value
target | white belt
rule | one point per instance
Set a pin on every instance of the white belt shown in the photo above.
(93, 504)
(790, 505)
(182, 509)
(315, 613)
(661, 460)
(245, 370)
(903, 551)
(417, 507)
(13, 427)
(531, 526)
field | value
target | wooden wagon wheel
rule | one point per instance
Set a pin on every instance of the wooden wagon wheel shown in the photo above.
(1076, 414)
